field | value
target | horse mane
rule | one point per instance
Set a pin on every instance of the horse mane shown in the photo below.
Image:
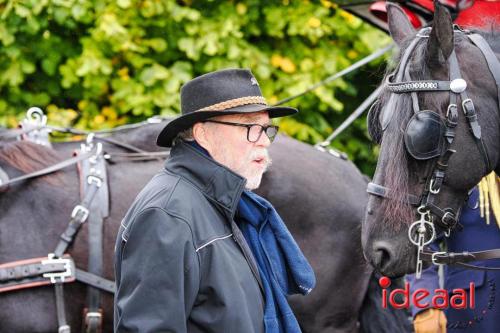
(398, 165)
(491, 35)
(29, 157)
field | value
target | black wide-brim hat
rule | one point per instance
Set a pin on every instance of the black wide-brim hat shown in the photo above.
(224, 92)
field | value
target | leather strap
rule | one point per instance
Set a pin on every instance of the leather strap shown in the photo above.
(95, 167)
(444, 215)
(48, 170)
(15, 133)
(61, 309)
(79, 216)
(490, 57)
(28, 273)
(95, 281)
(383, 192)
(462, 258)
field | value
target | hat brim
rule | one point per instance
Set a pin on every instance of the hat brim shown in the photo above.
(170, 131)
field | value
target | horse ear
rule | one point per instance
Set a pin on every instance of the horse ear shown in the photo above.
(400, 26)
(440, 44)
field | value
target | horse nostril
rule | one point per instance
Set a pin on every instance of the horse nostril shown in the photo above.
(382, 255)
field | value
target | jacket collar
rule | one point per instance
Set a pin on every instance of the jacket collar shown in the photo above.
(217, 182)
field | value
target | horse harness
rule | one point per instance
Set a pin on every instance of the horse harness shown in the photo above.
(427, 136)
(59, 267)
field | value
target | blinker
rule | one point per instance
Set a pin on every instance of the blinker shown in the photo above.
(424, 135)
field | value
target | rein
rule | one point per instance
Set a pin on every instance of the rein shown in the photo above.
(422, 125)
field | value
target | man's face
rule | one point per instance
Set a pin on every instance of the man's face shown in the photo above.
(229, 146)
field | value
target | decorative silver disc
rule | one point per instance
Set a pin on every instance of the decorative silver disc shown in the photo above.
(458, 85)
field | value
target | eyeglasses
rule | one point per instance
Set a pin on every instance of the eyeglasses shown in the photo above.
(254, 131)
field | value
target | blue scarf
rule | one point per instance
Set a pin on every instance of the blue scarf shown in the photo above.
(283, 268)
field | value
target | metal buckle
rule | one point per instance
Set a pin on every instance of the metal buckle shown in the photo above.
(450, 106)
(93, 315)
(80, 209)
(464, 102)
(431, 189)
(64, 329)
(433, 258)
(447, 213)
(90, 315)
(59, 275)
(97, 180)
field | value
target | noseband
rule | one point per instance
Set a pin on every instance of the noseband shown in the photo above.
(428, 136)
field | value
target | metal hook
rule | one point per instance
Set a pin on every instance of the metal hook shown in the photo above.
(35, 115)
(90, 138)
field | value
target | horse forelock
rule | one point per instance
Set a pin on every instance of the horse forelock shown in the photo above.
(29, 157)
(396, 160)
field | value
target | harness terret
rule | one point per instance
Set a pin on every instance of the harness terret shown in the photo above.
(428, 136)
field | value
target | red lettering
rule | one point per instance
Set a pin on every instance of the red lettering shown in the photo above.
(472, 298)
(384, 298)
(440, 294)
(419, 295)
(440, 300)
(459, 299)
(406, 297)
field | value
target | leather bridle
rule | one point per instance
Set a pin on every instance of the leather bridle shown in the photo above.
(432, 215)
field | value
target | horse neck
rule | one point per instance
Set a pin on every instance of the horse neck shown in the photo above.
(143, 137)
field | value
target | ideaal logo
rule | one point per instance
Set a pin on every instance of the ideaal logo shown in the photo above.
(459, 298)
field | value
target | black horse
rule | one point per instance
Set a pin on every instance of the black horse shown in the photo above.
(321, 197)
(415, 155)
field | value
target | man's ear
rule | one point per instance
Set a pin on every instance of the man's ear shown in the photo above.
(200, 134)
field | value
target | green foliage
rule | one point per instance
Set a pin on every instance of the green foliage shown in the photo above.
(101, 63)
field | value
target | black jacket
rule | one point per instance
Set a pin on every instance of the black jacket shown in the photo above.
(181, 263)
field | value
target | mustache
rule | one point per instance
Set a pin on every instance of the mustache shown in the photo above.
(261, 154)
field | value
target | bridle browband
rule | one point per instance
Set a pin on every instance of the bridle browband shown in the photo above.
(446, 218)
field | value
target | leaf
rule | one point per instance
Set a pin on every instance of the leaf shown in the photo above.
(13, 75)
(5, 36)
(123, 60)
(124, 4)
(151, 75)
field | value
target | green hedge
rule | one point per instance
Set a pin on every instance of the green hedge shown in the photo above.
(100, 63)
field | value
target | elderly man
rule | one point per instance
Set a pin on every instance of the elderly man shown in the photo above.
(198, 251)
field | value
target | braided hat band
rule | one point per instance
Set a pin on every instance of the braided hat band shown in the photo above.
(234, 103)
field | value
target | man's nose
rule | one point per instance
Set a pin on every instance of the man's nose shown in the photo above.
(263, 140)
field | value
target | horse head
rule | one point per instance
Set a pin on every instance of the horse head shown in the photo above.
(437, 122)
